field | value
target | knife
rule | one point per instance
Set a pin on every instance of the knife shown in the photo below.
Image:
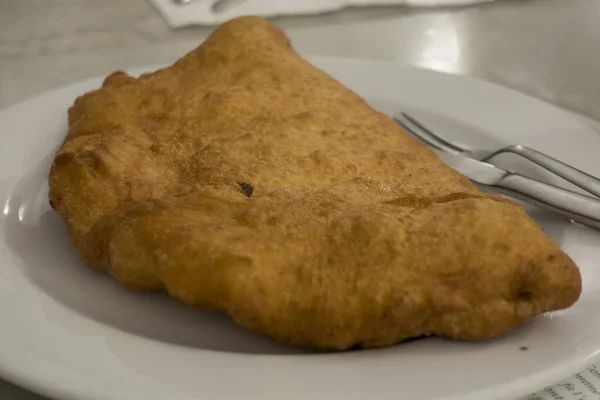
(578, 207)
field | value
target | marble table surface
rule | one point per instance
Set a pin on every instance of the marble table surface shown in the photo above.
(549, 49)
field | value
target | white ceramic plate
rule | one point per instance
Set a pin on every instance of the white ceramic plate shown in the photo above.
(72, 333)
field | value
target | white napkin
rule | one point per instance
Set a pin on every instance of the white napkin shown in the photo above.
(201, 12)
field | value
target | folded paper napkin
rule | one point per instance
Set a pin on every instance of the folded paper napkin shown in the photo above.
(213, 12)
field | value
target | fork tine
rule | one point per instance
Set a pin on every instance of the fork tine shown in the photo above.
(425, 140)
(422, 135)
(448, 144)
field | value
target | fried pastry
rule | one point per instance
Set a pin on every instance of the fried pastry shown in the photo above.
(243, 179)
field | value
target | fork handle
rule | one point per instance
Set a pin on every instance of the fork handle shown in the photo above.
(577, 177)
(581, 208)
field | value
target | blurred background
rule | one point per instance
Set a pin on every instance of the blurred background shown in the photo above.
(549, 49)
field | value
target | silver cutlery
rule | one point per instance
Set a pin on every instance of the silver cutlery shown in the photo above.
(577, 177)
(578, 207)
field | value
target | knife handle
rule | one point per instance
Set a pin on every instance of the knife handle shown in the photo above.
(578, 207)
(577, 177)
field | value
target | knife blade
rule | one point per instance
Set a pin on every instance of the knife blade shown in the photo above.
(578, 207)
(477, 171)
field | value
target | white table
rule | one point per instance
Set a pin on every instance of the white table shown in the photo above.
(547, 48)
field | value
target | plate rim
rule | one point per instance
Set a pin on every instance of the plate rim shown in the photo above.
(59, 385)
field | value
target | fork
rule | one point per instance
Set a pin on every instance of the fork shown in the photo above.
(571, 174)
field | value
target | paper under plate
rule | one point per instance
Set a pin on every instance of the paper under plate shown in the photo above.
(210, 12)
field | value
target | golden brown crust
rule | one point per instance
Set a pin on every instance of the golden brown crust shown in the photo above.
(354, 233)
